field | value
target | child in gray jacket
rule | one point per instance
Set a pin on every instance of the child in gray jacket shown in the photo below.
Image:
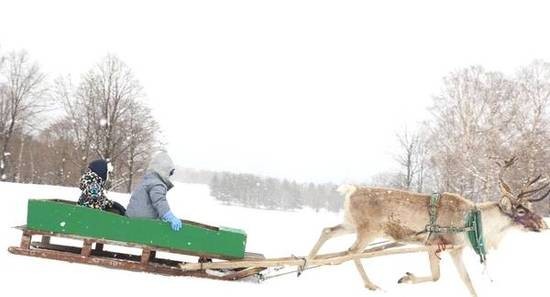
(149, 198)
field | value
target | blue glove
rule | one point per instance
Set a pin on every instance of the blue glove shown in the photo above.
(175, 223)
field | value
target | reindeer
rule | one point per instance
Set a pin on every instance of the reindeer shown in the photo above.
(373, 213)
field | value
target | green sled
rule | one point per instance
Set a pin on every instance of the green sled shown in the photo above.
(66, 217)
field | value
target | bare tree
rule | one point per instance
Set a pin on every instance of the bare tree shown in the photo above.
(112, 89)
(78, 121)
(107, 119)
(412, 159)
(59, 151)
(409, 144)
(533, 120)
(21, 99)
(141, 128)
(422, 159)
(481, 117)
(532, 124)
(472, 119)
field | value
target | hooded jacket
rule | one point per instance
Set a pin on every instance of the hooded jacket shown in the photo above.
(93, 194)
(149, 198)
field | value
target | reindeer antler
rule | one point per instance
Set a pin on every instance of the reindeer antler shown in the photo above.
(527, 193)
(503, 166)
(524, 190)
(508, 163)
(540, 198)
(534, 180)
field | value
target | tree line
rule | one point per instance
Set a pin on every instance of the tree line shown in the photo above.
(255, 191)
(51, 130)
(271, 193)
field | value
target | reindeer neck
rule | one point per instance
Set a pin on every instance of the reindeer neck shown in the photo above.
(495, 223)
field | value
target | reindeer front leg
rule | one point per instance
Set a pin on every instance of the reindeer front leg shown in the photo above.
(456, 255)
(410, 278)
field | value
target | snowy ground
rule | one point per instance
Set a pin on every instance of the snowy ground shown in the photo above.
(519, 267)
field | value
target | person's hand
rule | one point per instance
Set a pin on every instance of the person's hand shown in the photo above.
(175, 223)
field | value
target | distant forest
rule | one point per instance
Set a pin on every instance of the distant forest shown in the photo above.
(264, 192)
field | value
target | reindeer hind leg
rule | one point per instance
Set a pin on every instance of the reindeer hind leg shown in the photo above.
(360, 243)
(327, 234)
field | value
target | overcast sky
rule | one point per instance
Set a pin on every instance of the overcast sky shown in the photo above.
(308, 90)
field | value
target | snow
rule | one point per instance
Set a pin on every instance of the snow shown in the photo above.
(103, 122)
(519, 267)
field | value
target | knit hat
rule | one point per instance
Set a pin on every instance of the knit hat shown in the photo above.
(100, 168)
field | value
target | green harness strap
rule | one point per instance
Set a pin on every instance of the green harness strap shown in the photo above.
(473, 227)
(475, 234)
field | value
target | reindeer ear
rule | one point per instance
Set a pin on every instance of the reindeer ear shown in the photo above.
(506, 201)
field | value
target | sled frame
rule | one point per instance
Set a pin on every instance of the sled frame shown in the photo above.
(92, 252)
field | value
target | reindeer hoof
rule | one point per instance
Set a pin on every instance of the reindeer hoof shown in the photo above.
(407, 279)
(372, 287)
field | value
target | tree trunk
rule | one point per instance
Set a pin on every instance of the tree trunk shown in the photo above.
(32, 165)
(130, 173)
(17, 173)
(4, 156)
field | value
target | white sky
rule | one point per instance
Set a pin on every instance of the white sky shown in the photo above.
(309, 90)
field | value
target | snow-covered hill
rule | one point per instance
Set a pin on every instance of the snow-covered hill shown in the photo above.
(519, 268)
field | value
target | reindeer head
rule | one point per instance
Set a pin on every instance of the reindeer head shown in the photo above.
(518, 207)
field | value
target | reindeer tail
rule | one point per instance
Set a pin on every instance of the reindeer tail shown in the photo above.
(347, 190)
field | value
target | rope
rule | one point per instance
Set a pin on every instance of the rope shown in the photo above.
(263, 277)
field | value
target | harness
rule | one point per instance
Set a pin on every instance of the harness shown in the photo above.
(472, 227)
